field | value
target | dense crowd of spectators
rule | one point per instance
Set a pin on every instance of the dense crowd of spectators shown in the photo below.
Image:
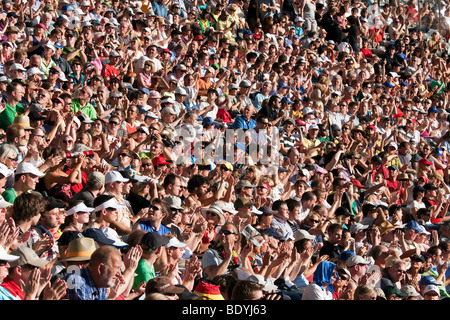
(229, 150)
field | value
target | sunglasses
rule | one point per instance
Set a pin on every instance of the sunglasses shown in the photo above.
(123, 154)
(67, 141)
(226, 232)
(155, 208)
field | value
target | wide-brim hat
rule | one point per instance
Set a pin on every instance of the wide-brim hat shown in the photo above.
(359, 128)
(215, 209)
(403, 177)
(24, 122)
(80, 249)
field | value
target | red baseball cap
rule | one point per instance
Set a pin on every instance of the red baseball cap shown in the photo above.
(159, 160)
(425, 161)
(357, 183)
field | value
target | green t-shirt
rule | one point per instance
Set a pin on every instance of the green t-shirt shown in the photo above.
(144, 272)
(435, 83)
(7, 116)
(88, 109)
(9, 195)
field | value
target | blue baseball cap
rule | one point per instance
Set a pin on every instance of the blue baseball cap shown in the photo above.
(145, 90)
(209, 121)
(97, 235)
(287, 100)
(413, 224)
(433, 109)
(427, 280)
(283, 85)
(345, 255)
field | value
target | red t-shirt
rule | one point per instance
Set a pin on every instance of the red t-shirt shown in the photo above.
(392, 185)
(12, 287)
(224, 115)
(110, 71)
(78, 187)
(367, 52)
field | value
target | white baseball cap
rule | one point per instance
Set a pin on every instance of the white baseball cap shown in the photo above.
(27, 167)
(111, 203)
(256, 211)
(7, 257)
(226, 206)
(143, 128)
(81, 207)
(17, 66)
(432, 288)
(112, 235)
(174, 242)
(114, 176)
(303, 234)
(34, 70)
(4, 170)
(4, 204)
(181, 91)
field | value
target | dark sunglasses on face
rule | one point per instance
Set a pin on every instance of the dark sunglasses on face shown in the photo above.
(226, 232)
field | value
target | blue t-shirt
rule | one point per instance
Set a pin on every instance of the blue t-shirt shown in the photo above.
(145, 225)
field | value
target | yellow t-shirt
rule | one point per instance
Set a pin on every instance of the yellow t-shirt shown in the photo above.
(311, 144)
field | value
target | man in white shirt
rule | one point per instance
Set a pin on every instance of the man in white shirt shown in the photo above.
(280, 228)
(333, 113)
